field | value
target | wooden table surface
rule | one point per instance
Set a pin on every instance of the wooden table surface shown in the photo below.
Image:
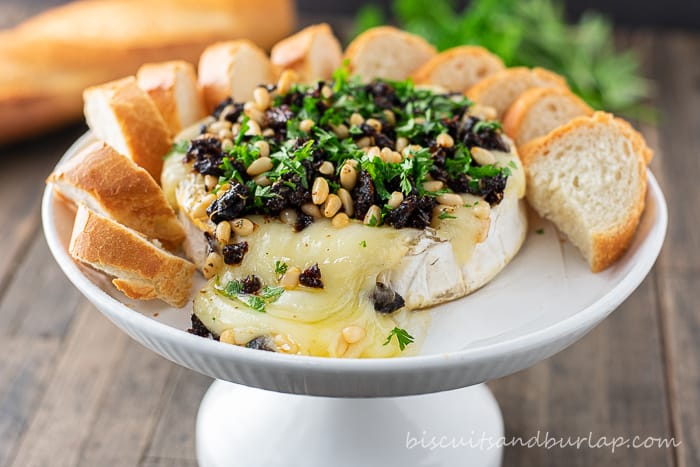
(75, 391)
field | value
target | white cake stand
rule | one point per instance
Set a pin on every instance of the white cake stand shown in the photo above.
(268, 409)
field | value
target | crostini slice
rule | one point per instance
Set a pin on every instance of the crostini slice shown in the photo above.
(501, 89)
(387, 52)
(174, 89)
(589, 178)
(540, 110)
(313, 53)
(233, 69)
(140, 269)
(459, 68)
(125, 117)
(114, 186)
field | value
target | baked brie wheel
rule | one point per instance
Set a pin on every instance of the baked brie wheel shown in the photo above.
(324, 216)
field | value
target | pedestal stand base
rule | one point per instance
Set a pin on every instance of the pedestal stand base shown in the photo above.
(242, 426)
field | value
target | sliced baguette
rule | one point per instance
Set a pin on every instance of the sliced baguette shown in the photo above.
(459, 68)
(114, 186)
(501, 89)
(174, 89)
(140, 269)
(121, 114)
(313, 53)
(235, 69)
(540, 110)
(589, 178)
(387, 52)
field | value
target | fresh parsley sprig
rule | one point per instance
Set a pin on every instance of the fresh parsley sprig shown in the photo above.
(402, 337)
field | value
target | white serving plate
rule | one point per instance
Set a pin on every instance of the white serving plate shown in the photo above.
(542, 302)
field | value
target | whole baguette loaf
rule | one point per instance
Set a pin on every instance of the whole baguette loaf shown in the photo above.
(113, 185)
(48, 60)
(140, 269)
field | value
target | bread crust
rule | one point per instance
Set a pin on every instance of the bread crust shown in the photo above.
(609, 246)
(143, 271)
(144, 131)
(478, 57)
(528, 77)
(519, 110)
(295, 53)
(219, 76)
(160, 80)
(422, 49)
(121, 190)
(51, 58)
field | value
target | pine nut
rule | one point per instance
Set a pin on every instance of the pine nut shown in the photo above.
(262, 180)
(348, 176)
(340, 220)
(341, 347)
(312, 210)
(445, 140)
(346, 199)
(268, 133)
(374, 123)
(363, 142)
(373, 216)
(326, 92)
(252, 111)
(223, 232)
(262, 98)
(263, 147)
(227, 144)
(450, 199)
(390, 117)
(374, 153)
(242, 226)
(212, 264)
(289, 216)
(319, 190)
(332, 205)
(341, 131)
(433, 186)
(386, 154)
(220, 125)
(482, 156)
(391, 157)
(290, 279)
(395, 200)
(483, 112)
(223, 189)
(210, 182)
(285, 344)
(200, 209)
(258, 166)
(224, 113)
(353, 334)
(227, 337)
(253, 128)
(401, 143)
(482, 210)
(326, 168)
(356, 119)
(306, 125)
(225, 134)
(287, 78)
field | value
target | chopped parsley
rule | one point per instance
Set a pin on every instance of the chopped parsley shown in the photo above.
(280, 268)
(484, 125)
(446, 215)
(234, 290)
(363, 244)
(402, 337)
(539, 231)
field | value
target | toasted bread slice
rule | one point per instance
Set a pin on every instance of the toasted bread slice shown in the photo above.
(141, 270)
(313, 53)
(540, 110)
(387, 52)
(589, 178)
(233, 68)
(459, 68)
(121, 114)
(174, 89)
(113, 185)
(501, 89)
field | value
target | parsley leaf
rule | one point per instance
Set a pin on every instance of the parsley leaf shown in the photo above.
(280, 267)
(402, 337)
(363, 244)
(446, 215)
